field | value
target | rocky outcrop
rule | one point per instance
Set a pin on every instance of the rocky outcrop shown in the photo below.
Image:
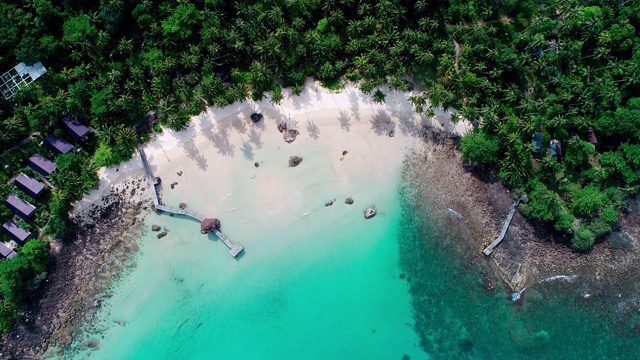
(282, 126)
(290, 135)
(328, 203)
(295, 161)
(155, 227)
(162, 234)
(182, 206)
(369, 213)
(348, 201)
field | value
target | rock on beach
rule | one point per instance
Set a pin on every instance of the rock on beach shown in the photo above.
(295, 161)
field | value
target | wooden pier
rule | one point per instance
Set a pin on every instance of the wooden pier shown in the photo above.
(234, 249)
(505, 227)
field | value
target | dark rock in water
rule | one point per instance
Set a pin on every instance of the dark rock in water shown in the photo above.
(282, 126)
(255, 117)
(392, 133)
(406, 357)
(182, 206)
(162, 234)
(173, 184)
(344, 153)
(179, 173)
(328, 203)
(97, 303)
(295, 161)
(256, 164)
(402, 276)
(348, 201)
(209, 224)
(290, 135)
(157, 180)
(155, 227)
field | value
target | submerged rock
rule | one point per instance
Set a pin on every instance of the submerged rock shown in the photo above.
(162, 234)
(348, 201)
(295, 161)
(369, 213)
(328, 203)
(155, 227)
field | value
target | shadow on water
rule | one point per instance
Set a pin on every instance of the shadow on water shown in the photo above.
(458, 316)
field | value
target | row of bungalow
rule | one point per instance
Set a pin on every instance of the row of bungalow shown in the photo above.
(555, 146)
(32, 187)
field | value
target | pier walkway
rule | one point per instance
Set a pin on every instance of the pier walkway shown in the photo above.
(505, 227)
(234, 249)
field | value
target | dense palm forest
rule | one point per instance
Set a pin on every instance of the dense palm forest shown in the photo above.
(562, 71)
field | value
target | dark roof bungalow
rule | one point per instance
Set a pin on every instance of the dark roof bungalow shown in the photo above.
(537, 142)
(41, 165)
(15, 232)
(6, 252)
(57, 145)
(74, 128)
(30, 186)
(555, 148)
(20, 207)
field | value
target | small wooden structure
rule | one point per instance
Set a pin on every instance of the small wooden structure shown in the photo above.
(41, 165)
(15, 232)
(30, 186)
(20, 207)
(74, 128)
(505, 227)
(57, 145)
(591, 136)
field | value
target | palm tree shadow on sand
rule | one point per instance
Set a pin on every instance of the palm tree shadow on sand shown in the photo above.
(313, 129)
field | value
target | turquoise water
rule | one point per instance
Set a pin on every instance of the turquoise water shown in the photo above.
(333, 293)
(326, 287)
(457, 318)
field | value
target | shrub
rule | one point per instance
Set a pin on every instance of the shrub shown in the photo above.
(157, 128)
(588, 200)
(582, 240)
(103, 155)
(480, 147)
(565, 223)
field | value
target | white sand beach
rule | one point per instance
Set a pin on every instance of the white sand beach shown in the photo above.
(217, 153)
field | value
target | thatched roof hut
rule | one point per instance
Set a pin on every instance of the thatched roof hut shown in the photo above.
(209, 224)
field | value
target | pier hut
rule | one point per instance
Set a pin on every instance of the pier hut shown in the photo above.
(20, 207)
(6, 252)
(74, 128)
(30, 186)
(57, 145)
(15, 232)
(41, 165)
